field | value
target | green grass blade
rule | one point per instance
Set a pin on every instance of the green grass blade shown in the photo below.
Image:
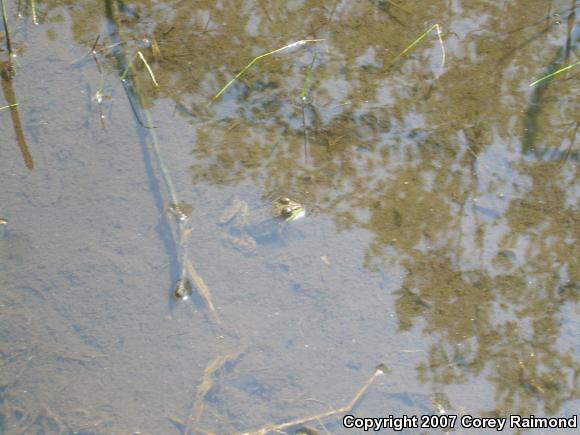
(9, 106)
(420, 38)
(307, 79)
(257, 58)
(561, 70)
(33, 7)
(416, 41)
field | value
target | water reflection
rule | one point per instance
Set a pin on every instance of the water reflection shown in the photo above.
(6, 75)
(443, 169)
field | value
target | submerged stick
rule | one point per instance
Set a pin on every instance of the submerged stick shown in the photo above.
(566, 155)
(546, 77)
(257, 58)
(392, 3)
(379, 370)
(6, 31)
(202, 288)
(206, 384)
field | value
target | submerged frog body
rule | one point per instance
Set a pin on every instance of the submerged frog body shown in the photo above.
(181, 211)
(246, 229)
(183, 289)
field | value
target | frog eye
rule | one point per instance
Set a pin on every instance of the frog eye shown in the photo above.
(287, 210)
(284, 200)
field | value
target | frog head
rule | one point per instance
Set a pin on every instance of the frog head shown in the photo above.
(288, 209)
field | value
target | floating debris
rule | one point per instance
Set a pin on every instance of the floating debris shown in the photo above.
(379, 370)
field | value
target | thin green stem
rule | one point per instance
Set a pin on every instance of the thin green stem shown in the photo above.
(133, 90)
(126, 70)
(33, 7)
(155, 142)
(9, 106)
(561, 70)
(257, 58)
(416, 41)
(420, 38)
(307, 78)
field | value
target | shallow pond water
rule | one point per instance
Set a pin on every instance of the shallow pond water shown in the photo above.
(440, 241)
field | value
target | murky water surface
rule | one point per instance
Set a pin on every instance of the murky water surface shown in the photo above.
(441, 235)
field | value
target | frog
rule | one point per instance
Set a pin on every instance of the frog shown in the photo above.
(3, 225)
(181, 211)
(245, 229)
(183, 289)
